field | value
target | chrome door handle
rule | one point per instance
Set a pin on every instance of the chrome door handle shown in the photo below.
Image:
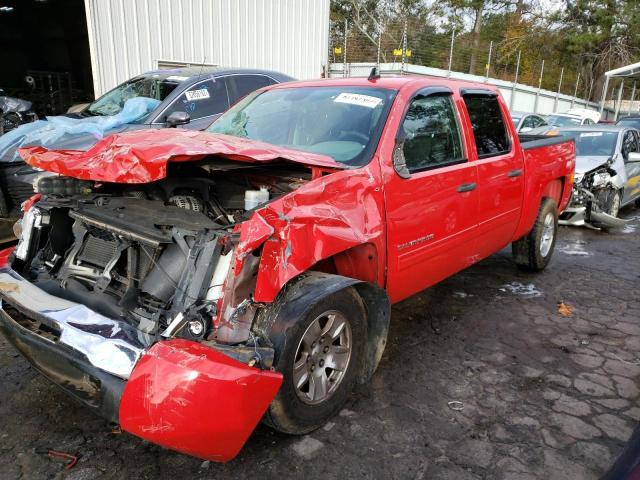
(514, 173)
(466, 187)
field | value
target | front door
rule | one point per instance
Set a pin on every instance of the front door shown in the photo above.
(431, 203)
(631, 144)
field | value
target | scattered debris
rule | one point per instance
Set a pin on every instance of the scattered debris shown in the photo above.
(565, 349)
(307, 447)
(328, 426)
(565, 310)
(517, 288)
(72, 459)
(574, 248)
(462, 294)
(116, 430)
(205, 465)
(455, 405)
(584, 341)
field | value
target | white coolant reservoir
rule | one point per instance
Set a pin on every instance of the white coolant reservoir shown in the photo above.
(253, 198)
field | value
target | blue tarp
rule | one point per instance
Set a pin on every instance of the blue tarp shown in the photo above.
(53, 129)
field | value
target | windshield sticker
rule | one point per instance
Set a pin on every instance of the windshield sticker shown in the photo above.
(591, 134)
(176, 78)
(357, 99)
(197, 94)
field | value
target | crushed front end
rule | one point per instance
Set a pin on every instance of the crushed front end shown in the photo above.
(132, 299)
(589, 195)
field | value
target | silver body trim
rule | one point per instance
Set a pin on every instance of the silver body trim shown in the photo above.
(111, 345)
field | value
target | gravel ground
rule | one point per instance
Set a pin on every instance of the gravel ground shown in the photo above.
(541, 395)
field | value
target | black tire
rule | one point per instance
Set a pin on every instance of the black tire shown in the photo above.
(528, 252)
(4, 210)
(609, 200)
(288, 413)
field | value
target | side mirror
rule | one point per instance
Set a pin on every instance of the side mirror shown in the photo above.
(177, 118)
(633, 157)
(399, 162)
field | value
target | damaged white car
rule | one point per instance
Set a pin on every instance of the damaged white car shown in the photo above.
(607, 175)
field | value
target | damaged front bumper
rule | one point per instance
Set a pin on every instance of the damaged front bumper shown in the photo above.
(180, 394)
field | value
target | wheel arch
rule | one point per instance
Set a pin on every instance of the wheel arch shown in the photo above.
(300, 294)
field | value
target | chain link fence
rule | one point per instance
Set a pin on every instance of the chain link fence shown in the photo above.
(411, 41)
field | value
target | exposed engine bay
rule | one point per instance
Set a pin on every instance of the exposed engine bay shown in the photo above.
(156, 255)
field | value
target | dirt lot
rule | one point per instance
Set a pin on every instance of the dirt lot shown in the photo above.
(542, 395)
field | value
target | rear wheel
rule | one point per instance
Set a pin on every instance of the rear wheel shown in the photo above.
(319, 359)
(533, 252)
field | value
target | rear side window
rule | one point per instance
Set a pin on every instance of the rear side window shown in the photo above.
(431, 134)
(245, 84)
(201, 100)
(488, 125)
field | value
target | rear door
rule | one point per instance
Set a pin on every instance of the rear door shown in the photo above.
(500, 171)
(242, 85)
(431, 200)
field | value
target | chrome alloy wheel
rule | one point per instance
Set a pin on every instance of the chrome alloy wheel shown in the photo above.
(548, 232)
(322, 357)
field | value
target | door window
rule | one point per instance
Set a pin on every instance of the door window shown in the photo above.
(529, 122)
(245, 84)
(431, 134)
(201, 100)
(629, 144)
(538, 121)
(488, 125)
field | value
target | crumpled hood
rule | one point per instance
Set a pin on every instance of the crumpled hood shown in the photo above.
(142, 156)
(585, 164)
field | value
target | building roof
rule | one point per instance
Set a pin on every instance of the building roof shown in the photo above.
(628, 71)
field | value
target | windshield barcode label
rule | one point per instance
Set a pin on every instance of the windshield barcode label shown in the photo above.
(197, 94)
(358, 99)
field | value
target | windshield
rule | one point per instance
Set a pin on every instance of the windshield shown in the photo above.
(560, 121)
(594, 144)
(342, 122)
(111, 103)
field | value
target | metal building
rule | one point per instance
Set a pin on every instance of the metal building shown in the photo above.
(128, 37)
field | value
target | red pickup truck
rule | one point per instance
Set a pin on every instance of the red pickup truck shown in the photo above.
(188, 284)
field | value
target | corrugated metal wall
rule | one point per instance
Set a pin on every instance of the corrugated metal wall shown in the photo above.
(128, 37)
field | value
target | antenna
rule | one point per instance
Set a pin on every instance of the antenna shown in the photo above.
(374, 74)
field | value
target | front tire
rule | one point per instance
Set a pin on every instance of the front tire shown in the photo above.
(609, 200)
(534, 251)
(319, 359)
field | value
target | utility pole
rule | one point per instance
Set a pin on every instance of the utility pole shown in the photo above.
(575, 90)
(344, 50)
(512, 100)
(453, 36)
(486, 77)
(633, 97)
(379, 40)
(555, 103)
(404, 47)
(535, 105)
(619, 102)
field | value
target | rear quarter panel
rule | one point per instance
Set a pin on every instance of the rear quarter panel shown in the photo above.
(548, 173)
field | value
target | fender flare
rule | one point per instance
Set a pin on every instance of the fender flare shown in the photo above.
(299, 295)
